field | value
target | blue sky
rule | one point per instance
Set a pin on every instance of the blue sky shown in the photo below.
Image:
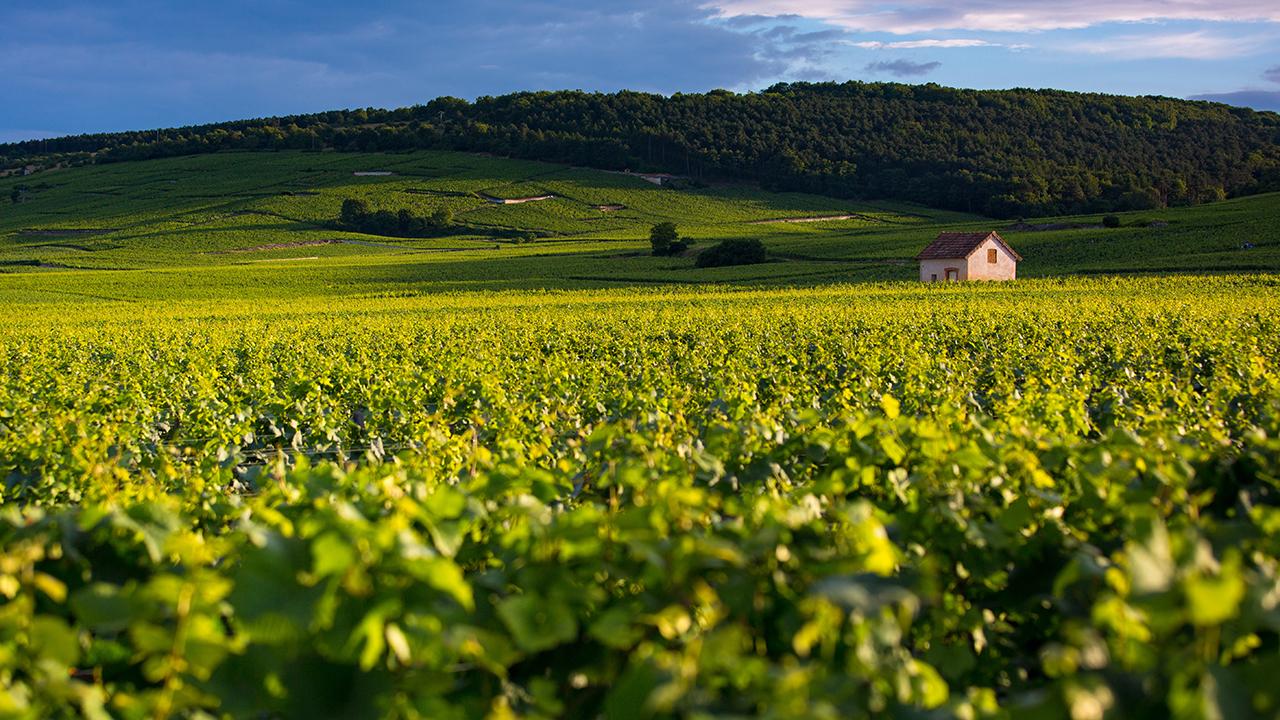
(71, 66)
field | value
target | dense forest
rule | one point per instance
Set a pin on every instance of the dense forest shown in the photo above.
(1004, 153)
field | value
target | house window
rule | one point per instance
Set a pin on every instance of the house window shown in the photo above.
(934, 277)
(991, 256)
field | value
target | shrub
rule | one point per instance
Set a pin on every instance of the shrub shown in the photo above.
(354, 211)
(733, 252)
(1111, 221)
(666, 240)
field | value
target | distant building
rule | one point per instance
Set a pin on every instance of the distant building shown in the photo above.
(954, 257)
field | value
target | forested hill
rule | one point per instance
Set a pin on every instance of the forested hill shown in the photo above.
(1003, 153)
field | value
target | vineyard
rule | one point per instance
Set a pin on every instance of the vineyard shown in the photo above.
(1052, 499)
(203, 214)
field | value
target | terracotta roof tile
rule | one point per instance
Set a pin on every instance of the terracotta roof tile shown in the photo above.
(953, 245)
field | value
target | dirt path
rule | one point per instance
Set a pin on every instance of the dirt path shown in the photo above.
(815, 219)
(515, 201)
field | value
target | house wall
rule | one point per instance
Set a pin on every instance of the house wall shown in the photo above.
(1005, 267)
(929, 268)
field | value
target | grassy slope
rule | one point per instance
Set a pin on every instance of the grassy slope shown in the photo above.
(169, 228)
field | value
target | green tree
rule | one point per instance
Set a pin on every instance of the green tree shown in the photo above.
(408, 223)
(354, 212)
(665, 239)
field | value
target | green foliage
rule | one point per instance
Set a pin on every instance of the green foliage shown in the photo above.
(665, 239)
(1003, 153)
(354, 211)
(358, 217)
(221, 226)
(1053, 499)
(734, 251)
(1111, 221)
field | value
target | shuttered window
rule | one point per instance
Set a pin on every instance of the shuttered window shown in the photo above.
(991, 256)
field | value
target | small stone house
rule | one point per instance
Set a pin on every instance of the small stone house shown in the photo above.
(954, 257)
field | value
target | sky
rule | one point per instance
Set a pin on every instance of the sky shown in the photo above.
(75, 66)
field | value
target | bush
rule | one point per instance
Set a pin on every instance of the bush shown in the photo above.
(666, 240)
(1111, 221)
(733, 252)
(354, 211)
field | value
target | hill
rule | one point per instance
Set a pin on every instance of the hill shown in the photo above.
(1003, 153)
(272, 446)
(261, 225)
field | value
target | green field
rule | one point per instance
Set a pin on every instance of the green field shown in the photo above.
(255, 225)
(467, 477)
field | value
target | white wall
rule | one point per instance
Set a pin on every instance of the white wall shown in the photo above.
(1004, 268)
(929, 268)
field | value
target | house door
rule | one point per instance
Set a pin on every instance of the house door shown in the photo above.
(953, 274)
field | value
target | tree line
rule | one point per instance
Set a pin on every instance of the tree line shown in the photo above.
(356, 215)
(1003, 153)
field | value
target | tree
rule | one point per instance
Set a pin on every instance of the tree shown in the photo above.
(665, 239)
(407, 222)
(354, 212)
(1111, 221)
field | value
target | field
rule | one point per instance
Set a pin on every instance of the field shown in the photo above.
(256, 225)
(434, 479)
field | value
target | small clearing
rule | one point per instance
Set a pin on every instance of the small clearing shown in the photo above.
(372, 173)
(515, 201)
(609, 208)
(815, 219)
(438, 193)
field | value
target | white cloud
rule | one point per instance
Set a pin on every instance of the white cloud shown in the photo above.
(915, 16)
(1192, 45)
(914, 44)
(903, 68)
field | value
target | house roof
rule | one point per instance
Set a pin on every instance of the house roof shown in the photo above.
(954, 245)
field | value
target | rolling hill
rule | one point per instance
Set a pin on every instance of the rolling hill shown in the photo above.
(1002, 153)
(487, 456)
(240, 224)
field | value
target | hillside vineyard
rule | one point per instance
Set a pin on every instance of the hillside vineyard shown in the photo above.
(1006, 153)
(1049, 499)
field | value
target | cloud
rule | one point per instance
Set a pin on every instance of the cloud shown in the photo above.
(1272, 74)
(903, 68)
(148, 63)
(914, 16)
(1199, 45)
(913, 44)
(1256, 99)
